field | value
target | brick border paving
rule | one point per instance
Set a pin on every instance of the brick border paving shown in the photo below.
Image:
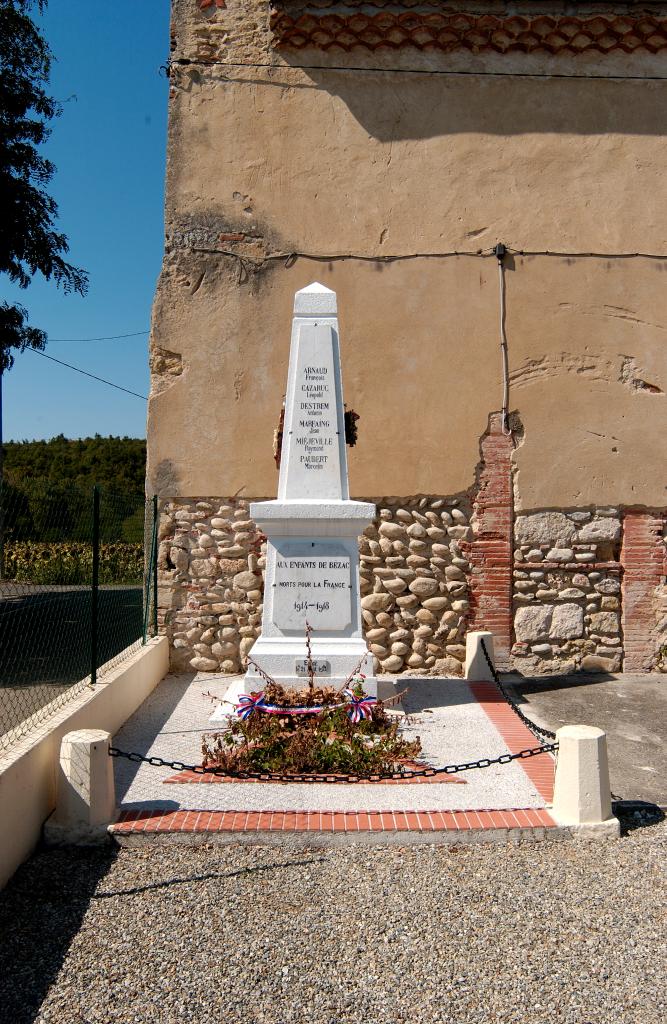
(540, 770)
(524, 818)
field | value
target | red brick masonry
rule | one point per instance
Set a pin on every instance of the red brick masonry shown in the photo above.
(643, 560)
(491, 551)
(539, 769)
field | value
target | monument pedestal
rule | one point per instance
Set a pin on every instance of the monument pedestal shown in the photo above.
(312, 529)
(312, 575)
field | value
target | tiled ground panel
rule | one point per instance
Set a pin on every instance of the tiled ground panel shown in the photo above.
(331, 821)
(540, 770)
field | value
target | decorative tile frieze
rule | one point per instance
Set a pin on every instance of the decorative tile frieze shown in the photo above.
(376, 25)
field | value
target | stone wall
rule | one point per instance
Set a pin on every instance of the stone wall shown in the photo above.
(210, 563)
(414, 584)
(413, 572)
(588, 588)
(567, 591)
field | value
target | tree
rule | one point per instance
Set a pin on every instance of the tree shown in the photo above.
(29, 242)
(117, 463)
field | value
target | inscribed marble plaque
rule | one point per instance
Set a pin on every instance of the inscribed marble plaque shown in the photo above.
(313, 587)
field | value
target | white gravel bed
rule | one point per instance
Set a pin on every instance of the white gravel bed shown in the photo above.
(565, 932)
(453, 730)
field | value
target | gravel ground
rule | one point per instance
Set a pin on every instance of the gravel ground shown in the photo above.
(569, 932)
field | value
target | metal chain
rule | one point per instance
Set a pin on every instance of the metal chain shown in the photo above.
(450, 769)
(535, 729)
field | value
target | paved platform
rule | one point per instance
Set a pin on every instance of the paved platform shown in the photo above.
(632, 710)
(456, 721)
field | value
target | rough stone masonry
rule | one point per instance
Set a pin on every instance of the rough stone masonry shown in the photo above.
(416, 587)
(413, 584)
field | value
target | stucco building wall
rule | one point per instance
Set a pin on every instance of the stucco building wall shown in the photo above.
(345, 152)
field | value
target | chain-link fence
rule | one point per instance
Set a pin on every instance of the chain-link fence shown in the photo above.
(77, 593)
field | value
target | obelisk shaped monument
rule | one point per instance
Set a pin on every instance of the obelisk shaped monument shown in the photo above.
(312, 529)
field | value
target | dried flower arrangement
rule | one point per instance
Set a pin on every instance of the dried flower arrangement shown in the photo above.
(316, 729)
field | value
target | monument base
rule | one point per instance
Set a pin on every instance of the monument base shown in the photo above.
(334, 658)
(284, 659)
(312, 575)
(383, 688)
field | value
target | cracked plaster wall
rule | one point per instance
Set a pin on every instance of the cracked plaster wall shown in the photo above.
(264, 162)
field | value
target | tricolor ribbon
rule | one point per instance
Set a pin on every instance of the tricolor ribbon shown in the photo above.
(359, 706)
(249, 702)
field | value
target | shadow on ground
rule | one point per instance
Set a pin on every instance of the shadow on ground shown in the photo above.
(425, 693)
(545, 684)
(204, 877)
(41, 911)
(636, 814)
(43, 907)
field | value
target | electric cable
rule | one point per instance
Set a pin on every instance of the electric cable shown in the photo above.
(500, 252)
(110, 337)
(186, 61)
(290, 258)
(589, 255)
(86, 374)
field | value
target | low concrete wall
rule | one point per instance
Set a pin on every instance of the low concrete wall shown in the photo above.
(28, 771)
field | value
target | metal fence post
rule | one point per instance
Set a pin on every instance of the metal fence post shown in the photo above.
(2, 480)
(94, 596)
(154, 553)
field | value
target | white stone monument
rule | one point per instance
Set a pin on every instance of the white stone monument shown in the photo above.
(312, 559)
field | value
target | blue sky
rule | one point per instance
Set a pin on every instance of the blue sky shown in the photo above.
(109, 150)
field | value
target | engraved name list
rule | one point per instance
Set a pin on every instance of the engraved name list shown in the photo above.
(316, 429)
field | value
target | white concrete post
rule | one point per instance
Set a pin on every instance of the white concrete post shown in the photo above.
(476, 665)
(582, 796)
(85, 793)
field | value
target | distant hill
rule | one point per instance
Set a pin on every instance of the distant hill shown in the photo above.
(118, 463)
(47, 490)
